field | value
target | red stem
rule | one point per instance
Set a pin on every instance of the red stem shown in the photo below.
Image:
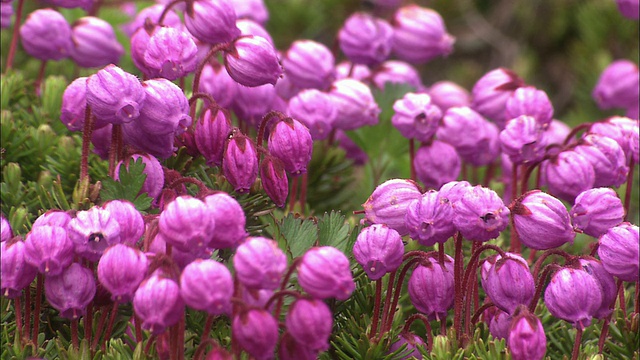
(623, 304)
(376, 309)
(181, 330)
(427, 325)
(138, 327)
(147, 347)
(103, 318)
(396, 295)
(412, 155)
(199, 353)
(488, 175)
(457, 275)
(285, 281)
(576, 345)
(441, 254)
(303, 192)
(17, 304)
(514, 245)
(479, 312)
(38, 81)
(279, 295)
(27, 312)
(74, 334)
(196, 78)
(116, 132)
(112, 320)
(36, 312)
(387, 300)
(207, 329)
(627, 193)
(166, 11)
(575, 131)
(567, 257)
(14, 37)
(88, 322)
(293, 193)
(545, 273)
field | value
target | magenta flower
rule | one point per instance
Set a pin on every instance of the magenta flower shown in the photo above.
(388, 203)
(71, 291)
(324, 272)
(365, 39)
(379, 250)
(419, 35)
(252, 61)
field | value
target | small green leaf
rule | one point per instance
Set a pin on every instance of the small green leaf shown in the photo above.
(300, 234)
(129, 186)
(333, 231)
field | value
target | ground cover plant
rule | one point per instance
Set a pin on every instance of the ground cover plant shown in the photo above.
(235, 179)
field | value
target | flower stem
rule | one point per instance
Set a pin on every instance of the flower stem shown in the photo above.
(575, 131)
(138, 327)
(457, 276)
(285, 281)
(38, 81)
(479, 312)
(546, 272)
(303, 192)
(166, 10)
(387, 300)
(427, 325)
(74, 334)
(204, 337)
(623, 304)
(293, 194)
(198, 73)
(199, 353)
(116, 133)
(88, 322)
(112, 320)
(576, 345)
(15, 36)
(278, 296)
(27, 312)
(17, 305)
(567, 257)
(396, 295)
(36, 312)
(103, 318)
(376, 309)
(515, 246)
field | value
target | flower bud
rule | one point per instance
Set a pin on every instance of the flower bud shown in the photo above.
(129, 218)
(365, 39)
(618, 251)
(152, 12)
(251, 9)
(46, 35)
(530, 101)
(229, 218)
(397, 72)
(252, 27)
(93, 231)
(158, 303)
(480, 215)
(526, 339)
(256, 331)
(215, 81)
(618, 85)
(291, 142)
(606, 157)
(250, 104)
(324, 272)
(16, 272)
(315, 110)
(446, 94)
(488, 263)
(541, 221)
(510, 283)
(378, 249)
(310, 322)
(567, 175)
(181, 258)
(49, 249)
(53, 217)
(114, 95)
(623, 130)
(212, 21)
(165, 110)
(416, 117)
(121, 270)
(207, 285)
(5, 229)
(309, 64)
(629, 8)
(74, 102)
(596, 211)
(491, 92)
(607, 285)
(171, 53)
(211, 134)
(573, 295)
(499, 325)
(388, 203)
(453, 191)
(240, 162)
(259, 263)
(431, 288)
(429, 219)
(436, 164)
(355, 104)
(6, 12)
(71, 291)
(154, 182)
(522, 140)
(252, 61)
(94, 43)
(419, 35)
(412, 341)
(187, 223)
(274, 180)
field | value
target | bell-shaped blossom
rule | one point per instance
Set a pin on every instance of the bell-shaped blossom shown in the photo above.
(158, 303)
(396, 72)
(212, 132)
(431, 289)
(618, 86)
(5, 229)
(355, 104)
(215, 81)
(388, 203)
(121, 270)
(429, 219)
(606, 157)
(53, 218)
(522, 140)
(629, 8)
(488, 263)
(597, 210)
(250, 104)
(74, 103)
(607, 285)
(152, 12)
(71, 291)
(526, 340)
(541, 221)
(509, 283)
(416, 117)
(480, 215)
(573, 295)
(567, 175)
(212, 21)
(618, 251)
(256, 331)
(181, 258)
(491, 92)
(447, 94)
(365, 39)
(207, 285)
(255, 10)
(86, 5)
(291, 142)
(46, 35)
(379, 250)
(310, 322)
(240, 162)
(324, 272)
(171, 53)
(252, 27)
(93, 231)
(159, 145)
(259, 263)
(154, 182)
(419, 35)
(16, 272)
(315, 110)
(436, 164)
(94, 43)
(165, 110)
(274, 180)
(139, 44)
(624, 131)
(412, 342)
(6, 12)
(49, 249)
(129, 218)
(114, 95)
(252, 61)
(499, 324)
(530, 101)
(229, 218)
(187, 223)
(309, 64)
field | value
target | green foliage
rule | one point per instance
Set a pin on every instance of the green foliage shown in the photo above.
(131, 179)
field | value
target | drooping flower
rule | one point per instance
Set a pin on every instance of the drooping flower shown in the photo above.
(567, 175)
(252, 61)
(240, 162)
(71, 291)
(259, 263)
(291, 142)
(597, 210)
(94, 43)
(93, 231)
(429, 219)
(187, 223)
(388, 203)
(207, 285)
(256, 332)
(46, 35)
(416, 117)
(509, 283)
(446, 94)
(573, 295)
(365, 39)
(49, 249)
(158, 303)
(170, 53)
(378, 249)
(529, 101)
(526, 340)
(212, 21)
(491, 92)
(618, 251)
(431, 288)
(229, 218)
(310, 322)
(114, 95)
(74, 103)
(324, 272)
(16, 272)
(121, 270)
(309, 64)
(480, 215)
(355, 104)
(436, 164)
(315, 110)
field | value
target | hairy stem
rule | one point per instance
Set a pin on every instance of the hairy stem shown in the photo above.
(427, 325)
(36, 312)
(15, 36)
(576, 345)
(376, 309)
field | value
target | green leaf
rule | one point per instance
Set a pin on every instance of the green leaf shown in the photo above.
(300, 234)
(129, 186)
(333, 230)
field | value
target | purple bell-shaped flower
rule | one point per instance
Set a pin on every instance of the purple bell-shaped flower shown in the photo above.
(509, 283)
(416, 117)
(573, 295)
(355, 104)
(229, 218)
(250, 104)
(606, 157)
(431, 288)
(388, 203)
(596, 211)
(207, 285)
(529, 101)
(310, 322)
(480, 215)
(526, 340)
(618, 251)
(256, 331)
(347, 69)
(240, 162)
(71, 291)
(618, 86)
(274, 180)
(187, 223)
(499, 324)
(491, 92)
(430, 219)
(165, 110)
(121, 270)
(211, 135)
(259, 263)
(567, 175)
(93, 231)
(171, 53)
(365, 39)
(522, 140)
(49, 249)
(16, 272)
(5, 229)
(6, 12)
(412, 342)
(629, 8)
(158, 303)
(94, 43)
(74, 103)
(436, 164)
(215, 81)
(324, 272)
(379, 250)
(46, 35)
(152, 12)
(607, 285)
(212, 21)
(541, 221)
(396, 72)
(251, 27)
(447, 94)
(624, 131)
(129, 219)
(251, 9)
(53, 218)
(252, 61)
(309, 64)
(291, 142)
(419, 35)
(114, 95)
(315, 110)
